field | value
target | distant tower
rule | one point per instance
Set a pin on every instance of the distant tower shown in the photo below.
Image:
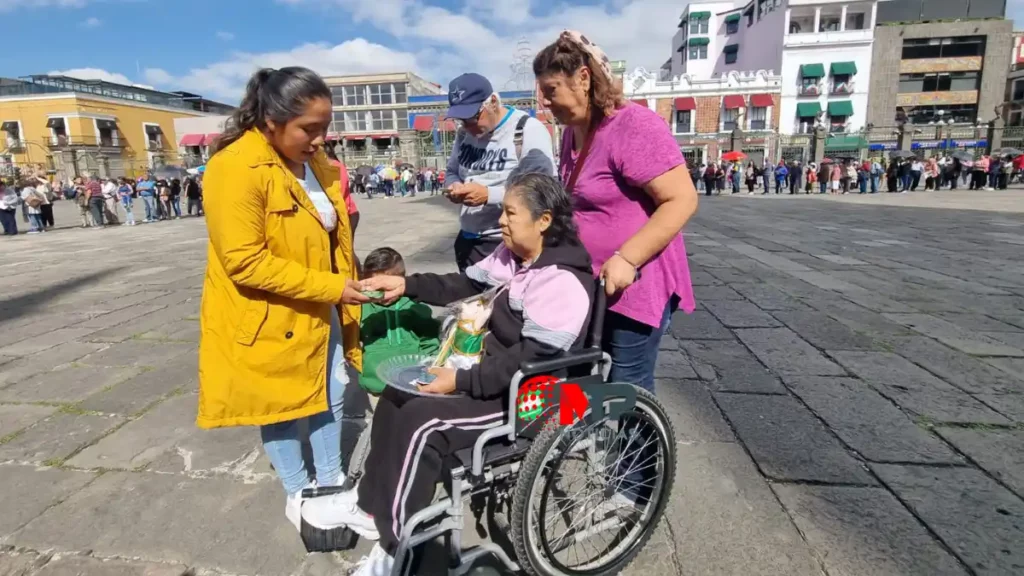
(522, 67)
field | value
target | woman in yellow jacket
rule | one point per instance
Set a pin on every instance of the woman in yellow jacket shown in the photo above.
(280, 311)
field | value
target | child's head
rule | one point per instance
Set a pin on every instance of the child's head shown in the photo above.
(384, 262)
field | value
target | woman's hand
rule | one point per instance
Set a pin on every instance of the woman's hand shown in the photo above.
(443, 384)
(393, 287)
(353, 293)
(618, 275)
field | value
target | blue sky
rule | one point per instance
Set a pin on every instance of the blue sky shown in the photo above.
(212, 46)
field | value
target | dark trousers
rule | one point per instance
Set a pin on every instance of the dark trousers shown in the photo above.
(96, 205)
(9, 219)
(197, 204)
(915, 180)
(633, 346)
(794, 184)
(977, 180)
(46, 212)
(469, 251)
(410, 438)
(709, 186)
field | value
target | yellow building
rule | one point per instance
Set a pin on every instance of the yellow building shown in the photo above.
(72, 127)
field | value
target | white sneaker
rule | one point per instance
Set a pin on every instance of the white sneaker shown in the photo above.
(378, 563)
(293, 506)
(328, 512)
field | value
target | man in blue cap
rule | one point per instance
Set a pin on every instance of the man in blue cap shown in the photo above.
(493, 141)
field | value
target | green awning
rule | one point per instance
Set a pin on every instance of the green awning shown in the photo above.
(844, 143)
(841, 108)
(812, 70)
(700, 15)
(733, 18)
(849, 68)
(732, 48)
(699, 41)
(808, 109)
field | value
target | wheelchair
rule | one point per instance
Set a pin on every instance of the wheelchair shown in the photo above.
(517, 476)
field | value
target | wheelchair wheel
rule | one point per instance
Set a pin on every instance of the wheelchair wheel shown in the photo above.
(588, 497)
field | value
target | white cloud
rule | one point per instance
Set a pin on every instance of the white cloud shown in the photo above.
(98, 74)
(91, 22)
(227, 79)
(225, 36)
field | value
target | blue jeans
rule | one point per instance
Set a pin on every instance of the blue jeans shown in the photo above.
(282, 443)
(874, 184)
(35, 222)
(150, 202)
(634, 347)
(176, 206)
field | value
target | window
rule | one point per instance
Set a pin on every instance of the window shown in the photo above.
(699, 52)
(382, 119)
(694, 26)
(682, 121)
(837, 124)
(337, 96)
(355, 121)
(58, 131)
(108, 133)
(403, 121)
(1018, 90)
(731, 53)
(339, 122)
(959, 47)
(400, 96)
(380, 94)
(855, 21)
(704, 26)
(962, 113)
(728, 119)
(913, 83)
(841, 84)
(154, 137)
(355, 95)
(828, 24)
(12, 133)
(758, 118)
(732, 27)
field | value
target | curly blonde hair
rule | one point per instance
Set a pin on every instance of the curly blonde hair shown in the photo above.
(566, 57)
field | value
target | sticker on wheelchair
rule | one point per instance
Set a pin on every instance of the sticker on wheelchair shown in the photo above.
(540, 398)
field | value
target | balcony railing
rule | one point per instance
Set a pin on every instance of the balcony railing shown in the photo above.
(842, 88)
(154, 145)
(758, 124)
(85, 142)
(808, 90)
(837, 128)
(13, 145)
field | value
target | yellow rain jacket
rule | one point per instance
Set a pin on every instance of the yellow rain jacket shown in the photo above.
(272, 274)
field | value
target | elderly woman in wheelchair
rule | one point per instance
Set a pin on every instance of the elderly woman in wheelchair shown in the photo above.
(539, 322)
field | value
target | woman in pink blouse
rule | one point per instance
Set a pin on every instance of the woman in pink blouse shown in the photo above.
(631, 195)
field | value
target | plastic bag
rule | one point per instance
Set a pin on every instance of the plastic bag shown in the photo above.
(462, 342)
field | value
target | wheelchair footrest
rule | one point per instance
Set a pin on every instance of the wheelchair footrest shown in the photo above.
(333, 540)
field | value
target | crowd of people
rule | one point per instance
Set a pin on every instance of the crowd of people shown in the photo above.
(285, 312)
(101, 201)
(849, 175)
(391, 183)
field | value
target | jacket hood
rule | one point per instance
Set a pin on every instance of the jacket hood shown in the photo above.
(568, 254)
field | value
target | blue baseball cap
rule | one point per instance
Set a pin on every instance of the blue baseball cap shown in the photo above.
(466, 94)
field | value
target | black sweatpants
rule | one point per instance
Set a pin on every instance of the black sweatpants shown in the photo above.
(410, 438)
(469, 251)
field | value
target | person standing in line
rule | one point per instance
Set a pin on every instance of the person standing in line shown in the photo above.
(9, 201)
(876, 175)
(110, 202)
(767, 172)
(147, 191)
(916, 169)
(97, 204)
(194, 202)
(781, 174)
(164, 190)
(176, 198)
(994, 169)
(125, 192)
(709, 179)
(47, 190)
(795, 177)
(979, 173)
(34, 200)
(812, 178)
(493, 142)
(751, 174)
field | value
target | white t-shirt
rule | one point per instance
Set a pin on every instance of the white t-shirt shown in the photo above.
(328, 216)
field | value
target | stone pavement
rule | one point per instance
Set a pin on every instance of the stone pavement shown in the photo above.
(848, 397)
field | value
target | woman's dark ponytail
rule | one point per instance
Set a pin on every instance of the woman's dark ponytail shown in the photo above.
(277, 95)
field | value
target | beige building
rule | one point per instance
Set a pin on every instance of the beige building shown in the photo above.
(371, 115)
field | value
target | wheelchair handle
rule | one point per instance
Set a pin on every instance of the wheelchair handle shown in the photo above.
(597, 317)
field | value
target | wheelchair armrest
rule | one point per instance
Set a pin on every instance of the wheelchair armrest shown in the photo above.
(566, 360)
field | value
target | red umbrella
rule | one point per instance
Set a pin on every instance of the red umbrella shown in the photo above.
(733, 156)
(826, 160)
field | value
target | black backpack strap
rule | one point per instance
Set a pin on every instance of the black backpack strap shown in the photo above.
(518, 137)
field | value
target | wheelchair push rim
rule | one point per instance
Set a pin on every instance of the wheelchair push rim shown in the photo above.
(642, 488)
